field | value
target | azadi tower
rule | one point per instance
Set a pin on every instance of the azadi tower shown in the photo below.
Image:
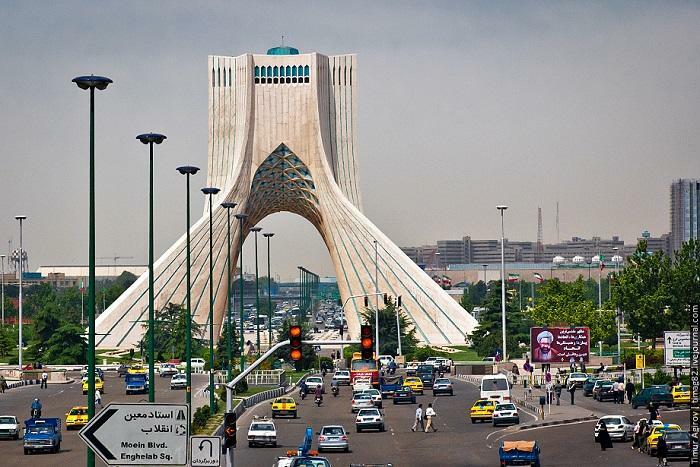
(282, 137)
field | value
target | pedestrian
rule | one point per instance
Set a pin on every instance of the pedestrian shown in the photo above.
(603, 437)
(557, 391)
(3, 384)
(572, 390)
(601, 368)
(653, 413)
(615, 392)
(582, 364)
(419, 419)
(516, 373)
(98, 398)
(44, 380)
(430, 414)
(621, 391)
(629, 389)
(572, 365)
(661, 452)
(639, 434)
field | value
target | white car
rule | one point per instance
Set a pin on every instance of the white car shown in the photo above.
(577, 378)
(312, 382)
(362, 383)
(375, 395)
(178, 381)
(619, 427)
(9, 427)
(262, 432)
(369, 418)
(384, 360)
(361, 401)
(342, 377)
(197, 363)
(505, 414)
(167, 369)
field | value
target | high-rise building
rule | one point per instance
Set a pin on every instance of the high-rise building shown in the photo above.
(685, 211)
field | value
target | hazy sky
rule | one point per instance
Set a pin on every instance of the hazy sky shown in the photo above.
(462, 106)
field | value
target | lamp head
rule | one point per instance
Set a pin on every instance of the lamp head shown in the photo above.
(151, 138)
(268, 234)
(188, 169)
(210, 190)
(228, 205)
(241, 216)
(256, 229)
(20, 217)
(92, 81)
(501, 207)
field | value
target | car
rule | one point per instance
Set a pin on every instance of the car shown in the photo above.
(619, 427)
(167, 369)
(9, 427)
(360, 401)
(178, 381)
(99, 385)
(443, 386)
(197, 364)
(98, 372)
(604, 391)
(76, 417)
(376, 397)
(482, 410)
(678, 444)
(414, 383)
(361, 383)
(368, 419)
(655, 395)
(681, 394)
(342, 377)
(504, 414)
(262, 432)
(284, 405)
(588, 386)
(404, 394)
(384, 360)
(333, 437)
(411, 368)
(122, 370)
(136, 370)
(312, 382)
(577, 378)
(656, 433)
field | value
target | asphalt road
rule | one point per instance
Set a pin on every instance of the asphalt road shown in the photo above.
(57, 400)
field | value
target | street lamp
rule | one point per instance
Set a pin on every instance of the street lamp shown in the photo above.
(268, 235)
(100, 83)
(502, 209)
(188, 170)
(150, 139)
(210, 192)
(241, 219)
(229, 353)
(21, 219)
(2, 278)
(485, 266)
(257, 290)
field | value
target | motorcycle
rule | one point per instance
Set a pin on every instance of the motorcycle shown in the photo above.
(302, 393)
(36, 413)
(335, 390)
(318, 400)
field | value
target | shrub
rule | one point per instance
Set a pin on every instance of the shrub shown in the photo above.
(200, 418)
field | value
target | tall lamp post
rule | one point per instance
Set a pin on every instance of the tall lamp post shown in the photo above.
(210, 192)
(2, 277)
(376, 301)
(268, 235)
(188, 170)
(485, 266)
(257, 291)
(502, 208)
(229, 352)
(241, 221)
(150, 139)
(21, 219)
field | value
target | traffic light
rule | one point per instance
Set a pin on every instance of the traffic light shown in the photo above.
(229, 431)
(366, 302)
(386, 299)
(366, 341)
(295, 343)
(398, 301)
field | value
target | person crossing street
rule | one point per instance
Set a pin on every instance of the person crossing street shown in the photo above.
(419, 419)
(430, 414)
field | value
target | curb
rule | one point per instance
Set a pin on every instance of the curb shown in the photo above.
(558, 422)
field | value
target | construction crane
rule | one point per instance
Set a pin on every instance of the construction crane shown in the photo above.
(115, 258)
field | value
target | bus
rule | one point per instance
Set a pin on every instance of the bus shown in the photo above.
(361, 367)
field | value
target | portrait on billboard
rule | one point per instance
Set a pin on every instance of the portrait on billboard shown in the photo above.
(559, 345)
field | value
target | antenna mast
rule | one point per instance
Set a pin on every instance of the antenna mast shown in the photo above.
(557, 221)
(539, 253)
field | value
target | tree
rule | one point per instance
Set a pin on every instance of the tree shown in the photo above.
(8, 340)
(644, 292)
(221, 353)
(388, 337)
(566, 304)
(170, 333)
(66, 346)
(45, 323)
(487, 337)
(685, 283)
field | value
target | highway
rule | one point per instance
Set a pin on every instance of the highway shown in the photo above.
(58, 399)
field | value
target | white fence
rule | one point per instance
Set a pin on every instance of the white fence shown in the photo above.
(266, 378)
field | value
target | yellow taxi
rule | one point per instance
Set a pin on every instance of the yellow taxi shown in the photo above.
(681, 394)
(284, 406)
(99, 385)
(136, 370)
(414, 383)
(656, 433)
(77, 417)
(482, 410)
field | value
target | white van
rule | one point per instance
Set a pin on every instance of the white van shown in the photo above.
(495, 387)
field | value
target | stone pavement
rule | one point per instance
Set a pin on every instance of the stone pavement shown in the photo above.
(552, 414)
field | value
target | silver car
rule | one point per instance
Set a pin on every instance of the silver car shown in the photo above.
(332, 437)
(361, 401)
(619, 427)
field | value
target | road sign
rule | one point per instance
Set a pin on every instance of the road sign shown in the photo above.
(640, 361)
(139, 434)
(677, 348)
(205, 451)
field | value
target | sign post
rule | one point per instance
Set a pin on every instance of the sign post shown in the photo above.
(677, 348)
(205, 451)
(640, 364)
(139, 434)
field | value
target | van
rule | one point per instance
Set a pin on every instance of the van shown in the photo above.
(495, 387)
(197, 363)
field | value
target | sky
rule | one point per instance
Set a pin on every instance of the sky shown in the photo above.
(462, 106)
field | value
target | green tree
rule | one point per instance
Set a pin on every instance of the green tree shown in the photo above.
(45, 323)
(643, 292)
(8, 340)
(221, 353)
(567, 304)
(66, 346)
(477, 293)
(170, 332)
(388, 336)
(685, 283)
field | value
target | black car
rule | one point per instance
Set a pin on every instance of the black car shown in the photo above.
(588, 386)
(655, 395)
(604, 392)
(404, 394)
(677, 444)
(122, 370)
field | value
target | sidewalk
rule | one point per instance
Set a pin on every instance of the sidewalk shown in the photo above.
(553, 414)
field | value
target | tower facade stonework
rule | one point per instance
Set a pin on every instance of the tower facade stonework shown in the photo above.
(282, 137)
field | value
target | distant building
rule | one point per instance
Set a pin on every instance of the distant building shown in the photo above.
(685, 212)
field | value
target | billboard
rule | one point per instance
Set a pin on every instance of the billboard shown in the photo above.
(558, 345)
(677, 348)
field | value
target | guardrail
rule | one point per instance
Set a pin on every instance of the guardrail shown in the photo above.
(261, 396)
(266, 378)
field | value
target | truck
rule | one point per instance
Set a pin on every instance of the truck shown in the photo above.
(42, 434)
(388, 385)
(136, 383)
(519, 453)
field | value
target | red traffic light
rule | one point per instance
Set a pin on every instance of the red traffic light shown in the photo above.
(294, 331)
(366, 341)
(229, 440)
(295, 343)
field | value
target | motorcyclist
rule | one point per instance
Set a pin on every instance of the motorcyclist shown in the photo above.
(303, 390)
(36, 408)
(319, 392)
(335, 386)
(392, 367)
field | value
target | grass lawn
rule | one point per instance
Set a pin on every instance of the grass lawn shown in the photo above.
(464, 354)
